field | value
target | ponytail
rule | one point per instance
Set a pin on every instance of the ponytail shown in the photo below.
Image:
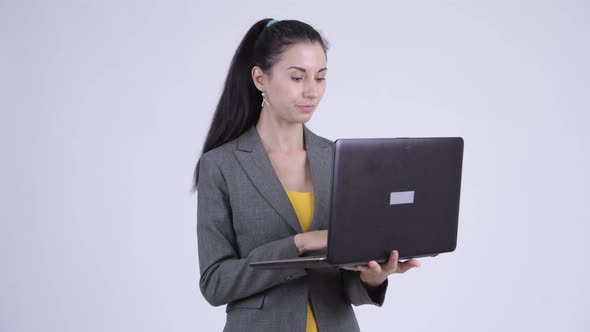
(239, 105)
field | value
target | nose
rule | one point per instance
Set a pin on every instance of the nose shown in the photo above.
(311, 90)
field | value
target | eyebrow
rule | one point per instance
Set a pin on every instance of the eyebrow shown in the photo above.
(303, 70)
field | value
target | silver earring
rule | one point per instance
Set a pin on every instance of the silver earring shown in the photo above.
(264, 99)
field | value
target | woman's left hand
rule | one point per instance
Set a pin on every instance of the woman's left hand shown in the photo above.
(374, 274)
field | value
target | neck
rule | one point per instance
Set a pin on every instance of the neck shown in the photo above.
(278, 135)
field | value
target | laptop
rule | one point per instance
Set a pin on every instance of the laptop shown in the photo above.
(389, 193)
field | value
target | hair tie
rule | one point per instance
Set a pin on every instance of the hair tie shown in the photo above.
(271, 22)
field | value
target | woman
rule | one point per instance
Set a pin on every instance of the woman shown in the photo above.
(263, 192)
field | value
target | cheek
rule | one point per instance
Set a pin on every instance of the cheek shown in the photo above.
(288, 94)
(322, 90)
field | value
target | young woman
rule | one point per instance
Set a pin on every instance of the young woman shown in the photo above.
(263, 192)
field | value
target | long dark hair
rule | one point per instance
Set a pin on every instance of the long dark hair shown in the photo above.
(239, 105)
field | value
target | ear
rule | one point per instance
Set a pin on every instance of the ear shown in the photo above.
(258, 77)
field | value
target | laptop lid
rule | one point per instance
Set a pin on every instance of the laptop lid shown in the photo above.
(394, 193)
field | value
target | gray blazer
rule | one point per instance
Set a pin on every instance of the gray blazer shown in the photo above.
(244, 215)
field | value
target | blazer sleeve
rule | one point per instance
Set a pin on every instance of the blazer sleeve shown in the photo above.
(358, 294)
(225, 276)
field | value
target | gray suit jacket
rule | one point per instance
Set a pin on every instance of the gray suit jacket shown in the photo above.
(244, 215)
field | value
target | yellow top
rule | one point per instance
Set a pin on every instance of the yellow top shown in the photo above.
(303, 205)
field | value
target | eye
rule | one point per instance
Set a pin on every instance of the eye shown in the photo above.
(296, 79)
(321, 78)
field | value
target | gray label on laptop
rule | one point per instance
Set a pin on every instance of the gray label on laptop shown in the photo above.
(401, 197)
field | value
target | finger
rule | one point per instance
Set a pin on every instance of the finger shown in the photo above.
(405, 266)
(391, 264)
(415, 263)
(351, 268)
(360, 268)
(364, 268)
(374, 267)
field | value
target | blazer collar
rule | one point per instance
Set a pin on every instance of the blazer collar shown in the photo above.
(257, 165)
(250, 140)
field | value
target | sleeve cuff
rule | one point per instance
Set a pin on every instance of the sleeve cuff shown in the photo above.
(377, 294)
(358, 293)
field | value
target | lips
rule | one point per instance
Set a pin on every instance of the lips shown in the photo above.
(306, 108)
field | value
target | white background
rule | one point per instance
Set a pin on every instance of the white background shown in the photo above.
(105, 106)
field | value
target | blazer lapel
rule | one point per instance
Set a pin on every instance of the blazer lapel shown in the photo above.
(320, 160)
(257, 165)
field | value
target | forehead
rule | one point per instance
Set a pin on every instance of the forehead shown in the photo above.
(306, 55)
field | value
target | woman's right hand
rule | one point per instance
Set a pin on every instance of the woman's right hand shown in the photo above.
(314, 240)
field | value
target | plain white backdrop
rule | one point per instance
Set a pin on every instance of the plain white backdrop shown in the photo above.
(105, 107)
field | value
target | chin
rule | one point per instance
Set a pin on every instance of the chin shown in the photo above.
(304, 118)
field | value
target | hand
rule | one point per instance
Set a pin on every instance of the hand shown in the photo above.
(314, 240)
(374, 274)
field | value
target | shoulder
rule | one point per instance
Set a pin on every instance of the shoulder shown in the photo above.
(212, 163)
(326, 141)
(221, 153)
(211, 174)
(316, 139)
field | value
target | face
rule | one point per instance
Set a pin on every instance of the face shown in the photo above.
(296, 83)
